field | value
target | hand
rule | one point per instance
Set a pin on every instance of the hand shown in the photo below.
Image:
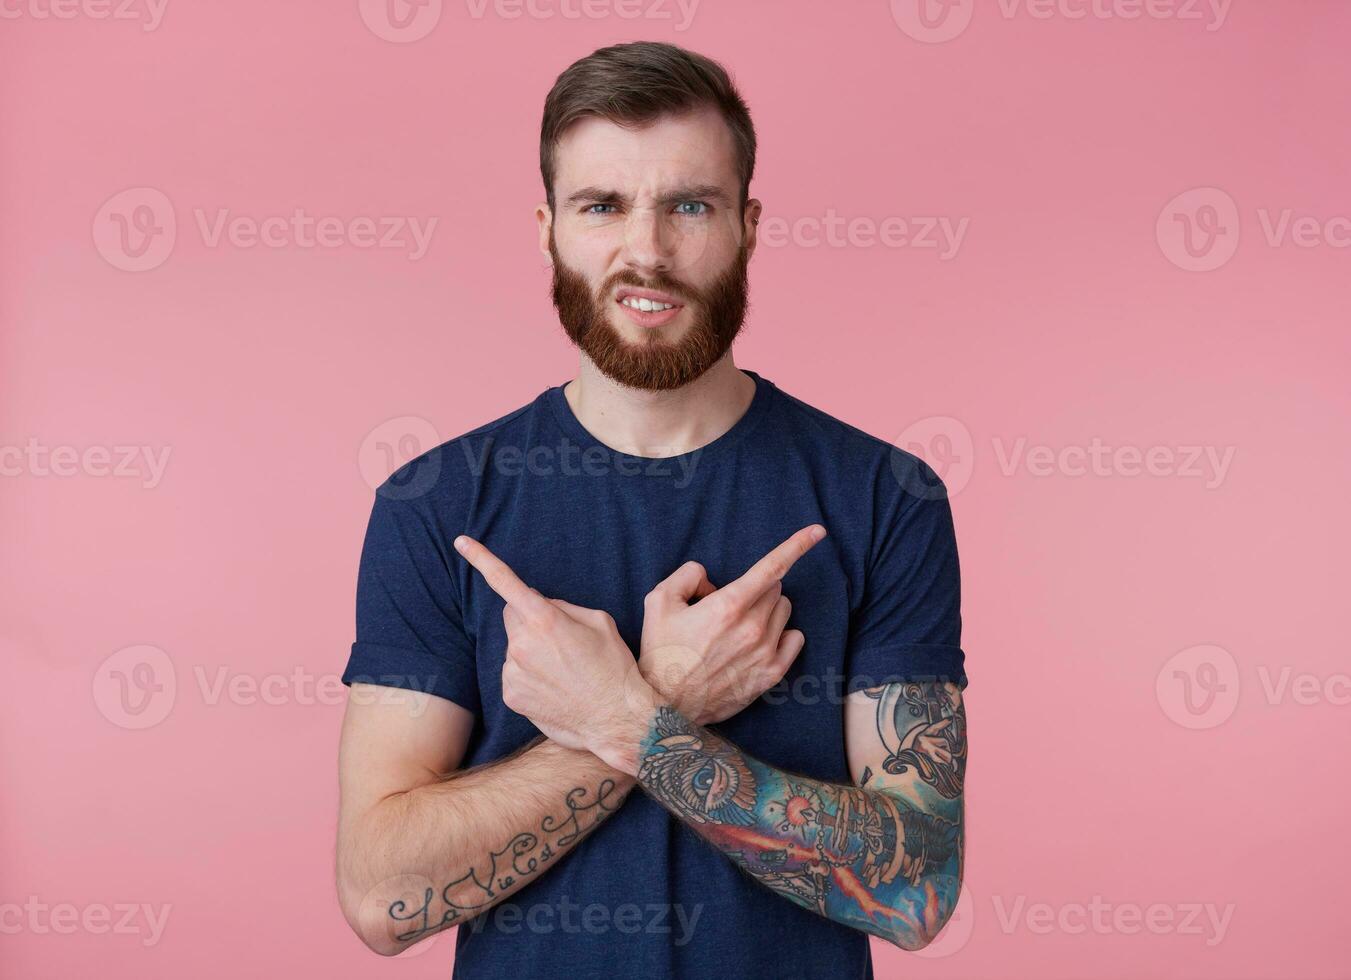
(567, 669)
(713, 658)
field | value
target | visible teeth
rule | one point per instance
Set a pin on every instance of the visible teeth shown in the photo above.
(646, 305)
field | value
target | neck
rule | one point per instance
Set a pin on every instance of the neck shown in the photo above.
(657, 424)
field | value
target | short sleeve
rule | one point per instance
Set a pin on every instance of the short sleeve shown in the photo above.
(409, 623)
(908, 625)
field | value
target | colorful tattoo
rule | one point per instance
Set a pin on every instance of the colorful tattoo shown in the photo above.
(886, 859)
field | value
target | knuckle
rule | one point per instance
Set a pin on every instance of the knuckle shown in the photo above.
(725, 614)
(749, 634)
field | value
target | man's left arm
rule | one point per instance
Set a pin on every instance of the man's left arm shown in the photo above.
(883, 855)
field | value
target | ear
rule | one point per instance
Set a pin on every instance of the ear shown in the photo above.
(545, 219)
(750, 224)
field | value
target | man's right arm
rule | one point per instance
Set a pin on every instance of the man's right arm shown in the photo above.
(422, 846)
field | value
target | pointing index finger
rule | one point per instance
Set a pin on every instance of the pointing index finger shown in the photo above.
(775, 565)
(499, 576)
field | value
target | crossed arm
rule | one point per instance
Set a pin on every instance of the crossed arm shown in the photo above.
(425, 851)
(883, 856)
(423, 846)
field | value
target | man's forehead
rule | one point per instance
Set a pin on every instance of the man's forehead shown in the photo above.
(669, 153)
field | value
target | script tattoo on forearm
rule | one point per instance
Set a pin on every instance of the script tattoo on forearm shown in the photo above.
(526, 854)
(885, 858)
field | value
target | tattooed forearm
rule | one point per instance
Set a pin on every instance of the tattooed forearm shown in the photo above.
(885, 858)
(504, 871)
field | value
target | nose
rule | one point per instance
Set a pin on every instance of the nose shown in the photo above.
(649, 242)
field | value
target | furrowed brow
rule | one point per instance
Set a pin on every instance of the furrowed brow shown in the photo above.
(693, 192)
(595, 195)
(688, 192)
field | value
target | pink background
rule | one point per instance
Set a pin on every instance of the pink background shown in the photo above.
(278, 378)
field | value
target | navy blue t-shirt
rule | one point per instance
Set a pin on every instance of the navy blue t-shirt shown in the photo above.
(877, 599)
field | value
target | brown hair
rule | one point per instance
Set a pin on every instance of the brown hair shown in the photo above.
(632, 84)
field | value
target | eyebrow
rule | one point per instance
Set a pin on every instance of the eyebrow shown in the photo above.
(687, 192)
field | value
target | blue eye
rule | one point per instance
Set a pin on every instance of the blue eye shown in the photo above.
(588, 209)
(692, 214)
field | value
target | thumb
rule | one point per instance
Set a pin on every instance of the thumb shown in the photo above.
(689, 581)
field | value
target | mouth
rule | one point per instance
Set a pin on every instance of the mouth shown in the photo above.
(648, 307)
